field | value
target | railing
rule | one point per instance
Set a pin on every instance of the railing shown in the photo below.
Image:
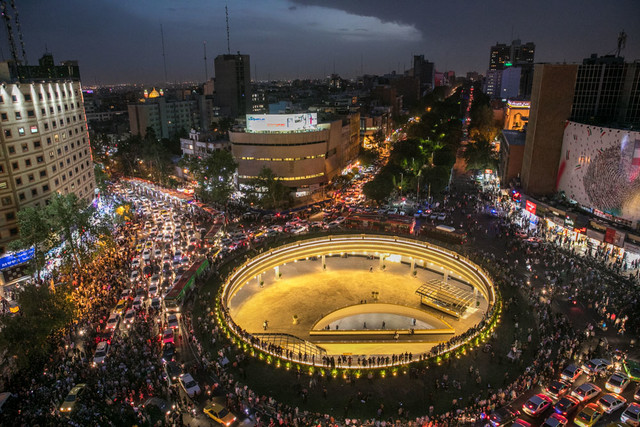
(294, 348)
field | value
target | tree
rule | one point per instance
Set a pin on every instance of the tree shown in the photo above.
(35, 232)
(379, 188)
(214, 175)
(75, 224)
(272, 193)
(43, 311)
(480, 155)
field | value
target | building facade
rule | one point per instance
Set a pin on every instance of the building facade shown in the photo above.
(233, 85)
(516, 115)
(165, 117)
(511, 154)
(502, 55)
(300, 152)
(202, 144)
(44, 144)
(551, 101)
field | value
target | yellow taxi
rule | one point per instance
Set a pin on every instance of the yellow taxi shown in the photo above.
(219, 413)
(71, 399)
(589, 415)
(122, 304)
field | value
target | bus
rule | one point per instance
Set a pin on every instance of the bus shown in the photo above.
(444, 233)
(372, 222)
(176, 295)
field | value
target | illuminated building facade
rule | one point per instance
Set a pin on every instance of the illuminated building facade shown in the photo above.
(516, 115)
(45, 143)
(301, 152)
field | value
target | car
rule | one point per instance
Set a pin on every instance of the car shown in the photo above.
(442, 217)
(155, 303)
(155, 279)
(631, 415)
(141, 293)
(571, 373)
(126, 294)
(189, 385)
(129, 317)
(70, 401)
(617, 382)
(168, 352)
(219, 414)
(172, 372)
(153, 290)
(172, 321)
(556, 389)
(555, 420)
(596, 366)
(101, 353)
(611, 402)
(537, 404)
(146, 255)
(589, 415)
(135, 263)
(112, 321)
(520, 423)
(636, 395)
(122, 304)
(137, 303)
(167, 336)
(134, 276)
(586, 392)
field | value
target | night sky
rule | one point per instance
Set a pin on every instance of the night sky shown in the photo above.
(118, 41)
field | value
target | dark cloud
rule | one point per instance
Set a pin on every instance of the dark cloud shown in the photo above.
(120, 41)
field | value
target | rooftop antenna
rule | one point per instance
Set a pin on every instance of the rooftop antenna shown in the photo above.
(19, 30)
(7, 23)
(622, 41)
(206, 73)
(164, 57)
(226, 12)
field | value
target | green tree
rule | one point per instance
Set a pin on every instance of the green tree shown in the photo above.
(35, 232)
(480, 155)
(27, 336)
(76, 225)
(272, 194)
(214, 175)
(379, 188)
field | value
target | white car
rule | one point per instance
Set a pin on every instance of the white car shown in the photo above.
(157, 253)
(135, 263)
(155, 280)
(112, 321)
(101, 352)
(137, 303)
(135, 275)
(129, 317)
(611, 402)
(189, 385)
(146, 255)
(153, 290)
(631, 415)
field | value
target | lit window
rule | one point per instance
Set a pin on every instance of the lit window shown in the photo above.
(21, 131)
(34, 129)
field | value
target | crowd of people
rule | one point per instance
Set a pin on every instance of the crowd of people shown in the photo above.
(117, 389)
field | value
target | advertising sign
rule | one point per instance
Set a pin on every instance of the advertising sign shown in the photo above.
(614, 237)
(16, 258)
(281, 122)
(530, 207)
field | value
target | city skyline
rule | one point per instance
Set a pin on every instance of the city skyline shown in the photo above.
(290, 39)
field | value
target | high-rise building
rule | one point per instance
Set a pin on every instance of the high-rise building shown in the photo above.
(425, 71)
(167, 117)
(233, 85)
(45, 143)
(601, 91)
(503, 55)
(551, 100)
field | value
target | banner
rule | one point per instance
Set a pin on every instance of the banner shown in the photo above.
(614, 237)
(530, 207)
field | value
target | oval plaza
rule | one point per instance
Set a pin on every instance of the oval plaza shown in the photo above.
(356, 295)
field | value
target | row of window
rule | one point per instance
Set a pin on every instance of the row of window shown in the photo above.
(285, 178)
(50, 95)
(285, 159)
(31, 113)
(34, 130)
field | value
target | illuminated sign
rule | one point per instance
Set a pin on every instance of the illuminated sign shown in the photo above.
(519, 104)
(281, 122)
(530, 207)
(16, 258)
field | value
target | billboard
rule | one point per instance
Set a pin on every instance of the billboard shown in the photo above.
(281, 122)
(600, 169)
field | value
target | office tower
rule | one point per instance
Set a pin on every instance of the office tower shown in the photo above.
(233, 85)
